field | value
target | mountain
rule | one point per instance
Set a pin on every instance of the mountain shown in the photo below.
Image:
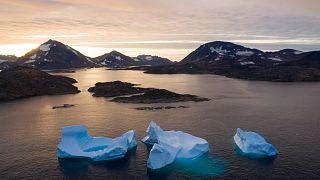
(151, 60)
(5, 58)
(236, 61)
(7, 61)
(55, 55)
(227, 53)
(220, 52)
(21, 82)
(285, 55)
(115, 59)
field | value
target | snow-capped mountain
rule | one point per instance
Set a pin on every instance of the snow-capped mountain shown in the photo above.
(55, 55)
(232, 60)
(115, 59)
(151, 60)
(219, 52)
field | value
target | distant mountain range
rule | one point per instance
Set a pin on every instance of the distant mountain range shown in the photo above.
(218, 57)
(115, 59)
(236, 61)
(56, 55)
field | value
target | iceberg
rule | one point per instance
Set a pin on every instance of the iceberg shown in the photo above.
(253, 145)
(77, 143)
(169, 146)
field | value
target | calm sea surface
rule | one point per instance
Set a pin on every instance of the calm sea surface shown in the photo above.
(286, 114)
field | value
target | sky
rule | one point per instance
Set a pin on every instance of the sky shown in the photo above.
(168, 28)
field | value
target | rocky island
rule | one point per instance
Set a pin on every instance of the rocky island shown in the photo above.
(121, 90)
(21, 82)
(159, 96)
(116, 88)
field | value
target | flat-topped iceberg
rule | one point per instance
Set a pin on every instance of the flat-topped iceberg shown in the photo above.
(169, 146)
(77, 143)
(253, 145)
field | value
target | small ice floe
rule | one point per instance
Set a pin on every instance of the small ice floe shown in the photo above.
(253, 145)
(77, 143)
(169, 146)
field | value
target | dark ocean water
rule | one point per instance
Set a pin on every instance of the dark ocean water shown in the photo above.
(286, 114)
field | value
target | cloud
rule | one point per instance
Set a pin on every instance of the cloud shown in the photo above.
(166, 23)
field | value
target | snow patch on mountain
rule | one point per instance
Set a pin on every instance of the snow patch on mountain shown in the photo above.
(29, 61)
(33, 56)
(246, 63)
(45, 47)
(149, 58)
(218, 50)
(244, 53)
(47, 60)
(118, 58)
(275, 58)
(2, 60)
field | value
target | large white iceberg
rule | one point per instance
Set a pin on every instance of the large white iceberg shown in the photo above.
(253, 145)
(77, 143)
(169, 146)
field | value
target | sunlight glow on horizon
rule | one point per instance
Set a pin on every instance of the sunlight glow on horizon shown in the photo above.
(94, 49)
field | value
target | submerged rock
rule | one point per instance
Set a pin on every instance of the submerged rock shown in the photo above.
(160, 108)
(169, 146)
(77, 143)
(253, 145)
(21, 82)
(159, 96)
(63, 106)
(115, 88)
(61, 71)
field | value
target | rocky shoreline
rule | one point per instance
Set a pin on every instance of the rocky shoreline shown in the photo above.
(282, 73)
(23, 82)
